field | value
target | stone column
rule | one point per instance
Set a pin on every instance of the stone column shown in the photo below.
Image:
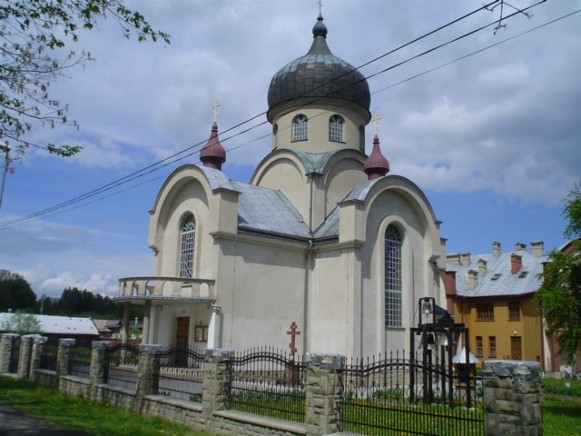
(322, 393)
(125, 326)
(24, 356)
(7, 346)
(38, 345)
(148, 369)
(64, 360)
(146, 322)
(215, 382)
(99, 371)
(512, 398)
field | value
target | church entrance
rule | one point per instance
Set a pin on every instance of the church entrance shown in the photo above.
(182, 339)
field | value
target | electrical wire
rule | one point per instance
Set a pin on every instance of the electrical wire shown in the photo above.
(192, 150)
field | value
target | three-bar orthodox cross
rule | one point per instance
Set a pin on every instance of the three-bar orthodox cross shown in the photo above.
(293, 332)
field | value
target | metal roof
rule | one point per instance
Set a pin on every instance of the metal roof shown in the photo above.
(499, 280)
(59, 325)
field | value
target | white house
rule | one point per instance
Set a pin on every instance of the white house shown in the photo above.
(321, 236)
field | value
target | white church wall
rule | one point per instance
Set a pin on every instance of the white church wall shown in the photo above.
(260, 292)
(333, 306)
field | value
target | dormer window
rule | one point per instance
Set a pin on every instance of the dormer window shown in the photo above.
(336, 128)
(300, 128)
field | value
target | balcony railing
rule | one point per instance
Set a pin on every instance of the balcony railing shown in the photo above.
(159, 288)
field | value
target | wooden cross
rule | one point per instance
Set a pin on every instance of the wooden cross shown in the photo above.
(293, 332)
(215, 107)
(375, 119)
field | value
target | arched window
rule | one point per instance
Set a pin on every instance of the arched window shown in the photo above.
(336, 128)
(300, 125)
(187, 241)
(393, 281)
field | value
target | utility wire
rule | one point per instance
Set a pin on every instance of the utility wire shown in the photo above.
(189, 151)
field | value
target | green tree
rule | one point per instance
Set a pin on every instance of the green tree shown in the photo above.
(21, 323)
(15, 292)
(560, 293)
(34, 53)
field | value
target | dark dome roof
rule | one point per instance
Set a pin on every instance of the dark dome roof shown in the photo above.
(319, 74)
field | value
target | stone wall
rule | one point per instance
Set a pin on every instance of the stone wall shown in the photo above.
(512, 398)
(512, 392)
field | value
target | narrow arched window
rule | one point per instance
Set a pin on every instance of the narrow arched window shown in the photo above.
(336, 128)
(393, 281)
(300, 128)
(187, 242)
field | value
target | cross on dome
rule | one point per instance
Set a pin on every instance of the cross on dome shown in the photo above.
(215, 106)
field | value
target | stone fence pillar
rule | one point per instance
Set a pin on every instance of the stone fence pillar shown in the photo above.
(64, 359)
(99, 365)
(148, 369)
(323, 387)
(7, 347)
(24, 357)
(214, 384)
(512, 398)
(38, 346)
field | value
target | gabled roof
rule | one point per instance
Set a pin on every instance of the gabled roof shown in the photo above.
(59, 325)
(265, 210)
(499, 280)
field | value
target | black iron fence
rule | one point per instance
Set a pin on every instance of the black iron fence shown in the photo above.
(396, 394)
(180, 373)
(81, 362)
(48, 357)
(268, 382)
(121, 366)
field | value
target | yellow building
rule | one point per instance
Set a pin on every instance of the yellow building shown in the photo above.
(492, 294)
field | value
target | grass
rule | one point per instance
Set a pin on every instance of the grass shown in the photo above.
(562, 407)
(561, 411)
(74, 413)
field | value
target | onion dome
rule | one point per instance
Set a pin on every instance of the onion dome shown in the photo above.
(318, 74)
(213, 154)
(376, 165)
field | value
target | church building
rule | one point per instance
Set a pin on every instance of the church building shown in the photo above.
(321, 236)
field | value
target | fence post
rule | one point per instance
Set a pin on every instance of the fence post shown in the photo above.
(7, 345)
(148, 369)
(25, 355)
(512, 398)
(99, 370)
(322, 396)
(64, 360)
(38, 345)
(215, 383)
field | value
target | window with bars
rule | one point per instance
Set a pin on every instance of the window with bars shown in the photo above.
(513, 311)
(187, 241)
(336, 128)
(300, 128)
(479, 352)
(393, 277)
(485, 312)
(491, 346)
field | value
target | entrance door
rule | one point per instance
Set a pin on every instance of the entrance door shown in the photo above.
(182, 339)
(515, 348)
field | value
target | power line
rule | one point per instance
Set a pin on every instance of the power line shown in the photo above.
(189, 151)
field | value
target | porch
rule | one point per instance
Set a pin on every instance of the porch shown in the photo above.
(157, 292)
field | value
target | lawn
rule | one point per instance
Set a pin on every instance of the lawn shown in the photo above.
(74, 413)
(562, 407)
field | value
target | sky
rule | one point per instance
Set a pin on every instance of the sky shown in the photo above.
(488, 125)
